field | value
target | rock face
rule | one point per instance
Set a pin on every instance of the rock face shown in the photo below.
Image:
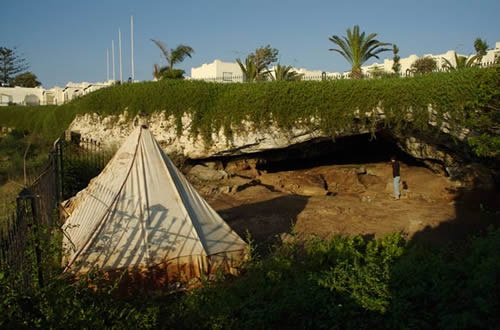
(446, 155)
(110, 131)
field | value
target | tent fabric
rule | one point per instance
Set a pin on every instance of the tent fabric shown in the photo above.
(141, 213)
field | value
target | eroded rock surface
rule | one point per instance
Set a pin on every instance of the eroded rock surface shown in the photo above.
(448, 155)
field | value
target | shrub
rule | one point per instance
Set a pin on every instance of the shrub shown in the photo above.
(424, 65)
(344, 283)
(467, 98)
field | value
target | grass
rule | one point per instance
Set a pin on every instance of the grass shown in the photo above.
(8, 193)
(344, 283)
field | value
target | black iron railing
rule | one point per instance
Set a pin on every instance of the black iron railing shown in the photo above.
(30, 235)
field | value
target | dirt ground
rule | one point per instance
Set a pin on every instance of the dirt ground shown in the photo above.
(350, 199)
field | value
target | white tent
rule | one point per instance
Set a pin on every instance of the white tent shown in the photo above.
(141, 215)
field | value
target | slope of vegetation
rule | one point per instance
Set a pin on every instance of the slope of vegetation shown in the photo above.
(466, 98)
(346, 283)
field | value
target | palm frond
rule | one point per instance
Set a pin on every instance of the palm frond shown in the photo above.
(344, 50)
(447, 64)
(358, 47)
(164, 49)
(180, 53)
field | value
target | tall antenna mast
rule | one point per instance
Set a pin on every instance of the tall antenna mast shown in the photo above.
(107, 64)
(113, 56)
(120, 47)
(132, 45)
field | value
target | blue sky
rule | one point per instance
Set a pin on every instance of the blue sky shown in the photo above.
(67, 40)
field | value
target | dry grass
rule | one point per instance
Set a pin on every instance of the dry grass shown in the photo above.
(8, 193)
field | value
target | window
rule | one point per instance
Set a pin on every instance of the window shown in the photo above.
(227, 76)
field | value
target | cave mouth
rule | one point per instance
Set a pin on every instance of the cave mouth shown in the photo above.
(350, 150)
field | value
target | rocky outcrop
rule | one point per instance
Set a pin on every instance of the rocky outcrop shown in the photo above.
(110, 131)
(448, 154)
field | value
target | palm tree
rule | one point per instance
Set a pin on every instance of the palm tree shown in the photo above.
(257, 63)
(285, 72)
(358, 48)
(158, 71)
(481, 47)
(251, 72)
(172, 56)
(461, 62)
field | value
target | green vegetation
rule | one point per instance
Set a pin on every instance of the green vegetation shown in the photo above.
(10, 64)
(357, 49)
(396, 66)
(481, 47)
(16, 148)
(461, 62)
(345, 283)
(172, 56)
(285, 72)
(256, 67)
(424, 65)
(470, 98)
(26, 79)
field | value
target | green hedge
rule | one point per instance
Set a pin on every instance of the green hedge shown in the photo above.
(471, 97)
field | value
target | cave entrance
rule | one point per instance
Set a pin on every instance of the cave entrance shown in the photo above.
(351, 150)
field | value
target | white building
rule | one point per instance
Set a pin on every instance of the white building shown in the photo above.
(406, 62)
(218, 71)
(55, 96)
(317, 74)
(22, 95)
(231, 71)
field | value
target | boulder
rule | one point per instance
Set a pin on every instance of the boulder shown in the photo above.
(207, 174)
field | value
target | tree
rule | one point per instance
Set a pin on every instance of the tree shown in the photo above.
(396, 66)
(461, 62)
(481, 47)
(10, 64)
(264, 56)
(424, 65)
(357, 48)
(172, 56)
(27, 79)
(285, 72)
(249, 69)
(257, 63)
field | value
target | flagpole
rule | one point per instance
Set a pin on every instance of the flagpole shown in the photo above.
(132, 45)
(120, 49)
(113, 57)
(107, 64)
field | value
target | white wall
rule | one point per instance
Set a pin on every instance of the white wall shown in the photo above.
(406, 62)
(219, 71)
(22, 95)
(215, 71)
(41, 96)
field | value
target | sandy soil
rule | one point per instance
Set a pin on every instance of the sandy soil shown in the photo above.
(350, 199)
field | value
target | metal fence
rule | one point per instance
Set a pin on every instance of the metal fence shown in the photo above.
(30, 236)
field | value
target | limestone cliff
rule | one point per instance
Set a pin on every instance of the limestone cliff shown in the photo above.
(446, 153)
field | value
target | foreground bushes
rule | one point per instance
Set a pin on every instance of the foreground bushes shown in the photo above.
(467, 98)
(343, 283)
